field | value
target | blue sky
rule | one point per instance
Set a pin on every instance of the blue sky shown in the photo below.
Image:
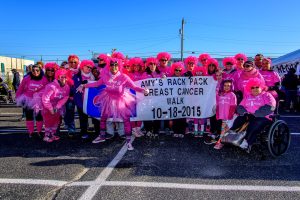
(58, 28)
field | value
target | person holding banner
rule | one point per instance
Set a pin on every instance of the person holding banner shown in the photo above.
(115, 102)
(84, 75)
(103, 59)
(54, 98)
(164, 58)
(203, 58)
(136, 65)
(229, 71)
(272, 78)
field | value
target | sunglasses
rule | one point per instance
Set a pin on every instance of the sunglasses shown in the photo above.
(50, 70)
(89, 67)
(229, 63)
(114, 64)
(240, 58)
(36, 70)
(178, 70)
(204, 60)
(152, 63)
(64, 77)
(256, 87)
(248, 66)
(190, 63)
(100, 59)
(163, 60)
(72, 62)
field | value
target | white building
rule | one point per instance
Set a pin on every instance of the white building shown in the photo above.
(9, 63)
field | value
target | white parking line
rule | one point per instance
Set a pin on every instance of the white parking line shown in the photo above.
(92, 190)
(33, 182)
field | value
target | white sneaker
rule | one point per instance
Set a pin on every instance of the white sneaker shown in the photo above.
(244, 144)
(129, 147)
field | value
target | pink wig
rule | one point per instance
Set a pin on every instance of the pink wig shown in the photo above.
(229, 60)
(68, 74)
(268, 60)
(51, 65)
(151, 60)
(240, 55)
(204, 56)
(104, 57)
(254, 82)
(191, 59)
(177, 65)
(86, 63)
(116, 60)
(213, 61)
(165, 55)
(75, 57)
(118, 55)
(136, 61)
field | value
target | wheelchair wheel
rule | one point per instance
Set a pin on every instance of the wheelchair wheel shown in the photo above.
(279, 138)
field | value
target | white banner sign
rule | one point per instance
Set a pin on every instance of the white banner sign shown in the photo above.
(176, 97)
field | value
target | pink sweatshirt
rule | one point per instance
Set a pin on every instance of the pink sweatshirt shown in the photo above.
(29, 86)
(244, 78)
(226, 105)
(271, 77)
(252, 103)
(55, 96)
(152, 75)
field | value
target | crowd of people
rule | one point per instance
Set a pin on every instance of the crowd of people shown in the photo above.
(246, 91)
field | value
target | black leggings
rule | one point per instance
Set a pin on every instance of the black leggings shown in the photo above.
(29, 113)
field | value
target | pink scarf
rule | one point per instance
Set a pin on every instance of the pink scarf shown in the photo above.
(251, 74)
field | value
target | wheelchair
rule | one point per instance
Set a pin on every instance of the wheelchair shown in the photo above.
(275, 138)
(5, 94)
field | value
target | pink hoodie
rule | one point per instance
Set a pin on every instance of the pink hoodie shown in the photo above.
(253, 103)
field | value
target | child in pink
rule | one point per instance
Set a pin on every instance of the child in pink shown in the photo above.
(136, 65)
(115, 102)
(226, 105)
(54, 98)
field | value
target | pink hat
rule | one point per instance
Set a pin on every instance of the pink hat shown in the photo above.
(177, 65)
(191, 59)
(73, 56)
(255, 82)
(86, 63)
(103, 56)
(118, 55)
(51, 65)
(240, 55)
(229, 60)
(68, 74)
(151, 60)
(114, 61)
(165, 55)
(204, 56)
(213, 61)
(136, 61)
(268, 60)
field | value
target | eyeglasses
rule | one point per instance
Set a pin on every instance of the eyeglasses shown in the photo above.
(240, 58)
(36, 70)
(248, 66)
(178, 70)
(114, 64)
(190, 63)
(256, 87)
(163, 60)
(63, 77)
(89, 67)
(72, 62)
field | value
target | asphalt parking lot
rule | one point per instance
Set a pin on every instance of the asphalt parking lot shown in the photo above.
(164, 168)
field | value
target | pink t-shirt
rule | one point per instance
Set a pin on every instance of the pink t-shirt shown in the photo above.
(252, 103)
(224, 102)
(271, 77)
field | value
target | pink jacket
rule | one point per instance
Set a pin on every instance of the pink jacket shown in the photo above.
(29, 86)
(271, 77)
(226, 105)
(55, 96)
(252, 103)
(116, 84)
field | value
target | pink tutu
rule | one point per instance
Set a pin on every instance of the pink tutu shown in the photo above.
(115, 106)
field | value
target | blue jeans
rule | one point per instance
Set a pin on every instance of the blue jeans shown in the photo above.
(69, 116)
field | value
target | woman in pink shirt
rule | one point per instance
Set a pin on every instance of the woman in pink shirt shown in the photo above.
(271, 77)
(255, 108)
(163, 59)
(226, 105)
(114, 101)
(54, 98)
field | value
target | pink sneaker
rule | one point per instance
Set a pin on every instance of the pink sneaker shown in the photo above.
(129, 147)
(218, 146)
(48, 139)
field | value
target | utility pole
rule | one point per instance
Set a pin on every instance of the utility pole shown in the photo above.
(92, 52)
(181, 31)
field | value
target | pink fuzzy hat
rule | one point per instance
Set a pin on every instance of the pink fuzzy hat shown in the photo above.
(151, 60)
(68, 74)
(118, 55)
(229, 60)
(254, 82)
(240, 55)
(86, 63)
(189, 59)
(51, 65)
(104, 57)
(175, 66)
(73, 56)
(213, 61)
(204, 56)
(136, 61)
(165, 55)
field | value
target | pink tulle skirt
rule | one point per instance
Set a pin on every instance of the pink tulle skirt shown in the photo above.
(120, 106)
(34, 102)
